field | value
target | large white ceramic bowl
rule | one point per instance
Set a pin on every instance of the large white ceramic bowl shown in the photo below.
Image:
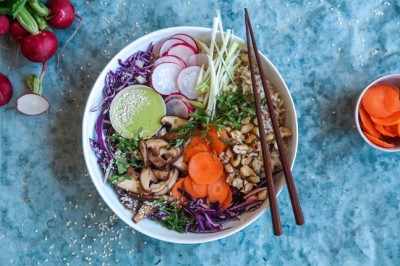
(148, 227)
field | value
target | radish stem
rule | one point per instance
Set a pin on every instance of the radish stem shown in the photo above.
(70, 38)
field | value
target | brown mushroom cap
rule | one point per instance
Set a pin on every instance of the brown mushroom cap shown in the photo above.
(173, 121)
(147, 176)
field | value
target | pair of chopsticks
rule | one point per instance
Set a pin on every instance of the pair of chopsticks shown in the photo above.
(298, 214)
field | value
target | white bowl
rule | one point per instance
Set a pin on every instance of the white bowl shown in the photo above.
(393, 79)
(148, 227)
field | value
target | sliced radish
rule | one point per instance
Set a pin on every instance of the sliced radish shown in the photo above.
(164, 78)
(182, 97)
(177, 107)
(187, 80)
(169, 43)
(170, 59)
(183, 51)
(32, 104)
(198, 60)
(188, 39)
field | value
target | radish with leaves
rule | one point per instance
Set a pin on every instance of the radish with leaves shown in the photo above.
(6, 89)
(62, 13)
(17, 32)
(4, 25)
(39, 47)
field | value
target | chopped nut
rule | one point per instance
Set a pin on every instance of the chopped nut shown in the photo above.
(241, 148)
(257, 145)
(256, 131)
(254, 179)
(228, 168)
(224, 158)
(255, 121)
(269, 137)
(237, 183)
(249, 137)
(256, 164)
(229, 153)
(246, 171)
(235, 160)
(286, 132)
(246, 128)
(229, 178)
(235, 134)
(246, 120)
(262, 195)
(246, 160)
(247, 188)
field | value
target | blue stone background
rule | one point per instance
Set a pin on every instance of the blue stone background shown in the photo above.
(327, 51)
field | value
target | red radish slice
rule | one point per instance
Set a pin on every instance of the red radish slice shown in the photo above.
(183, 51)
(170, 59)
(32, 104)
(177, 107)
(164, 78)
(198, 60)
(182, 97)
(188, 39)
(187, 80)
(169, 43)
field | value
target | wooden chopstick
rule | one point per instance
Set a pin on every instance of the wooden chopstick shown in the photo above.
(294, 199)
(276, 221)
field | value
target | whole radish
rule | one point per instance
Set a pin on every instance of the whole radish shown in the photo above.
(39, 47)
(4, 25)
(6, 89)
(62, 13)
(18, 33)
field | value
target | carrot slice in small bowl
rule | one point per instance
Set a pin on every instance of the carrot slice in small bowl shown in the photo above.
(392, 100)
(228, 200)
(367, 122)
(398, 129)
(384, 131)
(205, 168)
(388, 121)
(218, 191)
(392, 129)
(374, 101)
(379, 142)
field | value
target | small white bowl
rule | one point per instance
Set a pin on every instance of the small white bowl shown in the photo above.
(148, 227)
(393, 79)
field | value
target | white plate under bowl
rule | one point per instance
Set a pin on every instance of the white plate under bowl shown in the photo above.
(148, 227)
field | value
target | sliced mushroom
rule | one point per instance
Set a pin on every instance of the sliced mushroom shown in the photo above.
(157, 160)
(173, 178)
(143, 152)
(147, 176)
(131, 185)
(160, 174)
(168, 183)
(142, 213)
(154, 145)
(180, 164)
(169, 154)
(173, 121)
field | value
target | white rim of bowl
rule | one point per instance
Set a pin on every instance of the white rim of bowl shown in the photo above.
(148, 37)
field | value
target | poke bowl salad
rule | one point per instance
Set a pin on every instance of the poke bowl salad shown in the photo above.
(173, 135)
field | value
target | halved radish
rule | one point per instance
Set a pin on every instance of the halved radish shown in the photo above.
(187, 80)
(188, 39)
(32, 104)
(177, 107)
(170, 59)
(164, 78)
(183, 51)
(198, 60)
(169, 43)
(182, 97)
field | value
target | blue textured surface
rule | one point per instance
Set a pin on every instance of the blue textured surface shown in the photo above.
(327, 52)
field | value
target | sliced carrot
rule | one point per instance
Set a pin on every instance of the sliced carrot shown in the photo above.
(392, 129)
(189, 187)
(205, 168)
(379, 142)
(384, 131)
(227, 201)
(196, 190)
(197, 139)
(392, 100)
(175, 193)
(367, 122)
(193, 151)
(218, 190)
(388, 121)
(374, 101)
(398, 129)
(220, 142)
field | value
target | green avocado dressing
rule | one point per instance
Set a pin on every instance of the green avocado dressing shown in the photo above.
(137, 107)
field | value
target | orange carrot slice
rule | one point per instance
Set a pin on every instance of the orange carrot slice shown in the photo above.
(392, 100)
(388, 121)
(205, 168)
(374, 101)
(379, 142)
(201, 191)
(195, 141)
(175, 193)
(220, 142)
(201, 147)
(189, 187)
(367, 122)
(398, 129)
(392, 129)
(218, 191)
(227, 201)
(384, 131)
